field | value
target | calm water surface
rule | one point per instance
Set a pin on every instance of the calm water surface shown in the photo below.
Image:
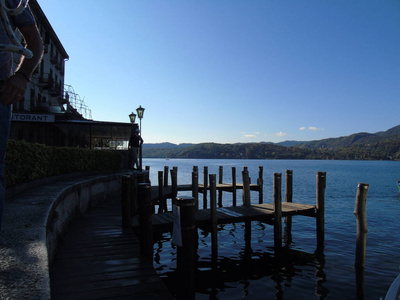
(252, 271)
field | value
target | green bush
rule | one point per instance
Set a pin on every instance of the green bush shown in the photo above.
(28, 161)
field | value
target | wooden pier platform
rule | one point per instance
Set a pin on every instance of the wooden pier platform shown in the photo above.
(257, 212)
(99, 260)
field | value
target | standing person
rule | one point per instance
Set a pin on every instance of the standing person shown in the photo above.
(134, 144)
(13, 83)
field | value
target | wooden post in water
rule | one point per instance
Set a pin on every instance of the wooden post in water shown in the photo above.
(174, 182)
(321, 185)
(161, 207)
(288, 199)
(145, 221)
(205, 173)
(186, 255)
(220, 179)
(246, 187)
(233, 186)
(360, 211)
(195, 186)
(361, 218)
(260, 182)
(166, 168)
(143, 176)
(213, 216)
(126, 201)
(277, 210)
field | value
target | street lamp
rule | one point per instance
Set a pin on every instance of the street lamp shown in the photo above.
(140, 112)
(132, 117)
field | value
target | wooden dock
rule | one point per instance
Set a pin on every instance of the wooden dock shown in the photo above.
(142, 214)
(99, 260)
(258, 212)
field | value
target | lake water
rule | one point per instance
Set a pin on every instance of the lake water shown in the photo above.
(251, 270)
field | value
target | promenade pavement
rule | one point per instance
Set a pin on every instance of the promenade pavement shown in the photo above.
(24, 259)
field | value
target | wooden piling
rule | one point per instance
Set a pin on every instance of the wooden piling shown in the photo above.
(288, 199)
(205, 173)
(126, 201)
(174, 182)
(134, 200)
(195, 186)
(360, 211)
(321, 185)
(161, 207)
(260, 182)
(213, 216)
(277, 210)
(145, 220)
(220, 180)
(166, 175)
(186, 255)
(233, 186)
(246, 187)
(362, 229)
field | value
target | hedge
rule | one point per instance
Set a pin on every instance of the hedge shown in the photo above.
(28, 161)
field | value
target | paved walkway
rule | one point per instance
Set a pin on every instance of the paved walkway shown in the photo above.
(98, 260)
(95, 246)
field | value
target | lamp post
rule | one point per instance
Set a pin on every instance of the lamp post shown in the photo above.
(132, 117)
(140, 112)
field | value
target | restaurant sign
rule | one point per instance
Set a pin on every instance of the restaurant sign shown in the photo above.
(32, 118)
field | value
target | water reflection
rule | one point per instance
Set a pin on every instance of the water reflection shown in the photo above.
(215, 277)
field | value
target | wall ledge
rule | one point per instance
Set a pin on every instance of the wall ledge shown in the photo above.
(36, 217)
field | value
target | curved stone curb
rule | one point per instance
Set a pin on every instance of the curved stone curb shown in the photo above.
(33, 223)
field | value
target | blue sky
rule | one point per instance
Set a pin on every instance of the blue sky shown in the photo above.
(232, 71)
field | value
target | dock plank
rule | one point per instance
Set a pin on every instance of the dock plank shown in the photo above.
(97, 259)
(261, 212)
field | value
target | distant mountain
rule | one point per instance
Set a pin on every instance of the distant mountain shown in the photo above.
(165, 145)
(384, 145)
(289, 143)
(356, 139)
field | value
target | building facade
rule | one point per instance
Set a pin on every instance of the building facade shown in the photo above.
(45, 92)
(51, 112)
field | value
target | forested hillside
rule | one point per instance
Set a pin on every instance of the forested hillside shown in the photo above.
(366, 146)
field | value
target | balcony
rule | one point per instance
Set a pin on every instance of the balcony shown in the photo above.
(46, 82)
(54, 59)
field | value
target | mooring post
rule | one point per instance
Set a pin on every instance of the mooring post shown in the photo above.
(360, 211)
(134, 201)
(361, 218)
(246, 187)
(144, 176)
(260, 183)
(205, 173)
(186, 255)
(160, 192)
(321, 185)
(277, 210)
(174, 182)
(220, 179)
(288, 199)
(126, 201)
(166, 171)
(214, 219)
(145, 220)
(233, 186)
(195, 186)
